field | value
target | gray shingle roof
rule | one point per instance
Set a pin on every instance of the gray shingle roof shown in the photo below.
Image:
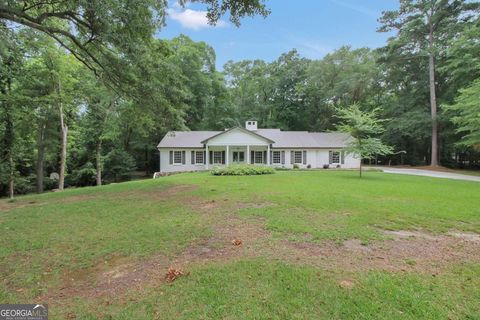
(282, 139)
(185, 139)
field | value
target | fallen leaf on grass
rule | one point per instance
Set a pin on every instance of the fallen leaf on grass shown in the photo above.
(173, 274)
(236, 242)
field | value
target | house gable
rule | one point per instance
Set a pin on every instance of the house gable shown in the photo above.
(237, 136)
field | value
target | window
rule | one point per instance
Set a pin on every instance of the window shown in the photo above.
(258, 157)
(276, 157)
(217, 157)
(177, 157)
(335, 157)
(298, 157)
(198, 157)
(238, 156)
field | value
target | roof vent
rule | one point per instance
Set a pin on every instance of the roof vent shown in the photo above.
(251, 125)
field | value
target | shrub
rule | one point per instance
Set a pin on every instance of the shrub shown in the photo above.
(296, 166)
(326, 166)
(245, 170)
(84, 176)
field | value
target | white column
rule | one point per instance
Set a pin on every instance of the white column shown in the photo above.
(268, 154)
(248, 154)
(207, 161)
(227, 153)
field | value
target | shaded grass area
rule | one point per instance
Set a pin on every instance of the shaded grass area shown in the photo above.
(45, 237)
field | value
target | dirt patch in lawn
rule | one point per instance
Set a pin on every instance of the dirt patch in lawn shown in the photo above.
(407, 252)
(182, 190)
(117, 275)
(254, 205)
(7, 205)
(234, 238)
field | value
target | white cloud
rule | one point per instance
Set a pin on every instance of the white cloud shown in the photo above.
(192, 19)
(314, 49)
(307, 47)
(357, 8)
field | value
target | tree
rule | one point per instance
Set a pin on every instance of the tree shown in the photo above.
(362, 126)
(118, 165)
(342, 78)
(100, 103)
(98, 33)
(467, 115)
(424, 29)
(11, 59)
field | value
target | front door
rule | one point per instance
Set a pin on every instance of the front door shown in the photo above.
(238, 157)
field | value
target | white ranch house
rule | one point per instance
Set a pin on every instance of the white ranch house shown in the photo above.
(202, 150)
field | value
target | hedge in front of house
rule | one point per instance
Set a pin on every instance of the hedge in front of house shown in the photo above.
(245, 170)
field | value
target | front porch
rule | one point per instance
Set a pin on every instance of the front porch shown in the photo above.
(226, 155)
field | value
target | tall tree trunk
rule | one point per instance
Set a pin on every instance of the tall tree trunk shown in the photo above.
(98, 164)
(40, 155)
(433, 98)
(64, 134)
(11, 186)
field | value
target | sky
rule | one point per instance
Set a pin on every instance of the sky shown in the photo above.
(313, 27)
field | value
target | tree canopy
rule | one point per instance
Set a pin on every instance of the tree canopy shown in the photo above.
(60, 110)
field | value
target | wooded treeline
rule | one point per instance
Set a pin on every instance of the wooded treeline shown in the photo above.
(91, 124)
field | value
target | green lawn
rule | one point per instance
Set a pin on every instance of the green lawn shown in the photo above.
(103, 252)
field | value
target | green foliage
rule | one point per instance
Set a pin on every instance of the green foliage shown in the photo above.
(241, 170)
(107, 36)
(362, 126)
(147, 86)
(83, 176)
(467, 115)
(118, 165)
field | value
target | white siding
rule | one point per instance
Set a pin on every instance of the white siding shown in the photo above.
(165, 165)
(323, 157)
(316, 158)
(237, 137)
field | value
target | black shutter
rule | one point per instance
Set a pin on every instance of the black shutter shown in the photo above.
(330, 157)
(343, 157)
(171, 157)
(183, 157)
(283, 157)
(271, 156)
(192, 157)
(223, 157)
(264, 157)
(304, 157)
(210, 157)
(204, 157)
(252, 157)
(292, 157)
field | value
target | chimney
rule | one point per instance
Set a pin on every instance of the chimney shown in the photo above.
(251, 125)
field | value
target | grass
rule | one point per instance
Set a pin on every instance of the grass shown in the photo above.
(45, 238)
(259, 289)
